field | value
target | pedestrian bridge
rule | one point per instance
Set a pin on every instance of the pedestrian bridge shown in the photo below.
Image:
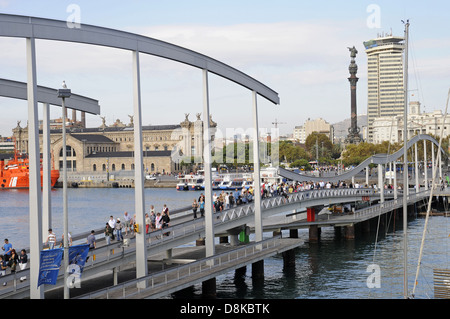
(289, 212)
(377, 159)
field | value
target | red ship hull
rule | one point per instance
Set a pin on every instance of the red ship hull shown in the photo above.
(15, 175)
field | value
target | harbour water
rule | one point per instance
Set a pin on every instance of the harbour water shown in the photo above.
(333, 268)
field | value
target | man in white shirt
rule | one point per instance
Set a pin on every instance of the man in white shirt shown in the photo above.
(51, 239)
(112, 223)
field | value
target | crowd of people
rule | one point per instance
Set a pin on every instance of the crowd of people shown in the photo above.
(115, 228)
(11, 260)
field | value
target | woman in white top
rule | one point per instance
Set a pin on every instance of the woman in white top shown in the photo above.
(158, 221)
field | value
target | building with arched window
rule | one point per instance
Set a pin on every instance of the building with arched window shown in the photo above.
(111, 148)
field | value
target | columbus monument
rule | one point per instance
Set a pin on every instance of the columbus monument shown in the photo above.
(353, 136)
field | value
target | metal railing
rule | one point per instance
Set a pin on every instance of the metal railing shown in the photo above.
(176, 273)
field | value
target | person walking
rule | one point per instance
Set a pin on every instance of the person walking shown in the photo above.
(127, 223)
(3, 267)
(91, 241)
(51, 239)
(201, 205)
(13, 261)
(7, 248)
(158, 221)
(62, 240)
(195, 207)
(165, 221)
(152, 219)
(23, 260)
(108, 233)
(119, 228)
(147, 223)
(112, 224)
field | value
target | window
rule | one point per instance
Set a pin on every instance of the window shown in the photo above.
(70, 157)
(113, 167)
(152, 167)
(70, 152)
(94, 167)
(104, 167)
(123, 167)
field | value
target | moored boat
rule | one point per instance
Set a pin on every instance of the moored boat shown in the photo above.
(15, 173)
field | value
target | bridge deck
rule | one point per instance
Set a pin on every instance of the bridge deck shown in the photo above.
(175, 278)
(119, 256)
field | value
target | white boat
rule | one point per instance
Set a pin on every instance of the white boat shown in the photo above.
(190, 182)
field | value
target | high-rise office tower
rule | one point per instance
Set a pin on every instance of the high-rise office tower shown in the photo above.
(385, 95)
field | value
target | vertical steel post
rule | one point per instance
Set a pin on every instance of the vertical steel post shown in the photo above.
(433, 168)
(207, 161)
(35, 200)
(380, 182)
(63, 94)
(256, 171)
(425, 163)
(405, 169)
(46, 178)
(416, 168)
(394, 168)
(65, 204)
(141, 251)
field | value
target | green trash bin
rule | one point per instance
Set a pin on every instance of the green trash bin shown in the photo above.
(243, 237)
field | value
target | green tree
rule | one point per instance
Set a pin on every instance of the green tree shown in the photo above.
(321, 143)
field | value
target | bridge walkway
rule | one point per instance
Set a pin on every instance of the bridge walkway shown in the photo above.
(118, 254)
(178, 277)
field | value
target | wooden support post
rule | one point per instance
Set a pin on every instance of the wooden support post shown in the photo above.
(314, 233)
(258, 269)
(209, 289)
(350, 232)
(293, 233)
(288, 258)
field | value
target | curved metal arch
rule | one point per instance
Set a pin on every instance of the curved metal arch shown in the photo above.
(375, 159)
(18, 90)
(48, 29)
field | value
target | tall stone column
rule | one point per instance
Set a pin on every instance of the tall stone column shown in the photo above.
(353, 136)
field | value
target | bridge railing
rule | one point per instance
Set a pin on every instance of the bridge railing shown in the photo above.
(380, 208)
(117, 250)
(176, 273)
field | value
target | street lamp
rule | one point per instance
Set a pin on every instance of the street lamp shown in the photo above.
(65, 93)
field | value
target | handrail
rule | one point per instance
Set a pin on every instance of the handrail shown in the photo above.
(375, 159)
(178, 272)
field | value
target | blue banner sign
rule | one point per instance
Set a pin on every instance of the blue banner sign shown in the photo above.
(49, 266)
(51, 262)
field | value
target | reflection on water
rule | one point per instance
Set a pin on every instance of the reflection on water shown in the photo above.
(333, 268)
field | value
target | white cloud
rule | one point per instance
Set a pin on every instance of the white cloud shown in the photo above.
(306, 62)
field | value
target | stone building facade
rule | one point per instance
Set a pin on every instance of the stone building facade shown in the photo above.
(110, 148)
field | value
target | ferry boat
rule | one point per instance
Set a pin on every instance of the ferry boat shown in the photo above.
(190, 182)
(217, 182)
(15, 173)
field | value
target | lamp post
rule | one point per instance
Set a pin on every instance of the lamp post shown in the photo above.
(65, 93)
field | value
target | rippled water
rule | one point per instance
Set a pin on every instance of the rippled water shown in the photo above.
(87, 208)
(333, 268)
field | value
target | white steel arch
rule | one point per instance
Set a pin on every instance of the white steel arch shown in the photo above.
(32, 28)
(375, 159)
(48, 29)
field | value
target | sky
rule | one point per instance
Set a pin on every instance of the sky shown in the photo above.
(297, 48)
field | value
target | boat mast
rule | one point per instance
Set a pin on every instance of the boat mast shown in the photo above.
(405, 168)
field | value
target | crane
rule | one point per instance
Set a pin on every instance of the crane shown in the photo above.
(276, 123)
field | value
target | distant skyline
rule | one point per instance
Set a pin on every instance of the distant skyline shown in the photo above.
(298, 49)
